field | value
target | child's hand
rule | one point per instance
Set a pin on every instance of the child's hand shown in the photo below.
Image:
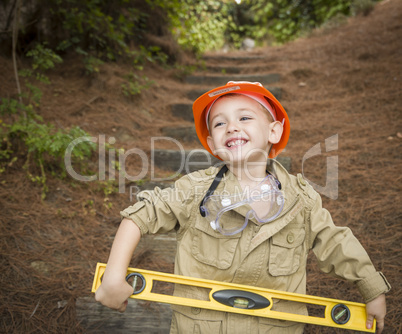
(114, 290)
(376, 309)
(114, 294)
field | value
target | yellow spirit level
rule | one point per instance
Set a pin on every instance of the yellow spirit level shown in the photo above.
(242, 299)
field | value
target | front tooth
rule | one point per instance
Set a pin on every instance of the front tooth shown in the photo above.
(236, 142)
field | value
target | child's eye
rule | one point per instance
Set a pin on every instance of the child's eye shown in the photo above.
(245, 118)
(218, 124)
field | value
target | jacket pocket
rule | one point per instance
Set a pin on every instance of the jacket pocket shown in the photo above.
(274, 326)
(286, 250)
(195, 322)
(213, 248)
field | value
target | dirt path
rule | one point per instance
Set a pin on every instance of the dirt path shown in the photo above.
(346, 82)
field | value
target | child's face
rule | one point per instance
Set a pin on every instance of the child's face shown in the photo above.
(240, 129)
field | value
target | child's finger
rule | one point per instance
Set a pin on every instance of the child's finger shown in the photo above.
(380, 325)
(123, 307)
(369, 321)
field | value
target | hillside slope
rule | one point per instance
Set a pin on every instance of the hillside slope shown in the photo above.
(344, 82)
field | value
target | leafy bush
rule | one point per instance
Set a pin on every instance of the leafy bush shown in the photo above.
(43, 58)
(285, 20)
(103, 30)
(45, 145)
(98, 30)
(198, 25)
(96, 26)
(135, 85)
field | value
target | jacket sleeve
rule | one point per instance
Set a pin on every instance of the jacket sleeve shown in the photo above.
(160, 210)
(340, 254)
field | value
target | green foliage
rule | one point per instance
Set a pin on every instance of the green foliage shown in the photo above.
(92, 64)
(43, 58)
(108, 188)
(90, 28)
(12, 107)
(104, 31)
(42, 139)
(34, 94)
(183, 71)
(286, 20)
(135, 85)
(151, 54)
(198, 25)
(45, 145)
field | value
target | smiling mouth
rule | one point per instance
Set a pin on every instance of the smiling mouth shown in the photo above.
(237, 142)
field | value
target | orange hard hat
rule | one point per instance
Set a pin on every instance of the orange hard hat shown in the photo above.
(202, 105)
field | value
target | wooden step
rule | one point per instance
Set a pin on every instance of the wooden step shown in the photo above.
(182, 133)
(196, 93)
(188, 161)
(184, 162)
(233, 58)
(247, 69)
(221, 69)
(185, 110)
(139, 317)
(220, 80)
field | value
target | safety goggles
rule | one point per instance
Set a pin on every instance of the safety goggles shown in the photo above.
(266, 199)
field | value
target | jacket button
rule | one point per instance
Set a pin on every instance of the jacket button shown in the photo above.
(209, 171)
(290, 238)
(302, 181)
(195, 310)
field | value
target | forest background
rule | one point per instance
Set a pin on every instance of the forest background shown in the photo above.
(38, 35)
(47, 50)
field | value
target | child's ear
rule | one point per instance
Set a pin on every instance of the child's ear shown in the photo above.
(276, 130)
(210, 143)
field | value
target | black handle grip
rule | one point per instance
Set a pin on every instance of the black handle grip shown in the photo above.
(241, 299)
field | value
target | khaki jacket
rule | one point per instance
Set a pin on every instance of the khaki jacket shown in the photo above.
(273, 255)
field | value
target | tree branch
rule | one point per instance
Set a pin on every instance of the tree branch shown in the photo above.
(15, 39)
(10, 15)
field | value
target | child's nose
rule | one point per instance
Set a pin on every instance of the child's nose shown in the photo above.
(232, 127)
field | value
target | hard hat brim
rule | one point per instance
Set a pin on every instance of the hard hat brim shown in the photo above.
(200, 107)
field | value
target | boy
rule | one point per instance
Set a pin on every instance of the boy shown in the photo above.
(242, 223)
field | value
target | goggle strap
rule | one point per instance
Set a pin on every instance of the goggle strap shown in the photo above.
(216, 182)
(271, 171)
(213, 187)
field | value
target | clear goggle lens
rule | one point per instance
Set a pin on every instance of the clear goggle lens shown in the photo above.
(265, 198)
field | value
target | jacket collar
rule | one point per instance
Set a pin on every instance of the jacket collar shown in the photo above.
(230, 185)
